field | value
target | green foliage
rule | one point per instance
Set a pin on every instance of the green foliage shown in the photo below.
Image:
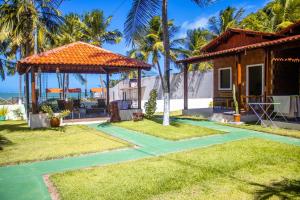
(150, 105)
(18, 113)
(3, 111)
(47, 109)
(228, 18)
(236, 104)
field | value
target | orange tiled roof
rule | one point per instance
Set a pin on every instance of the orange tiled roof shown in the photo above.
(98, 90)
(80, 57)
(212, 55)
(53, 90)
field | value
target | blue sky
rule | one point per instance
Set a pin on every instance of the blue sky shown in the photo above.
(185, 14)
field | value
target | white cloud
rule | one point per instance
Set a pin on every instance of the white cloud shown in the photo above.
(200, 22)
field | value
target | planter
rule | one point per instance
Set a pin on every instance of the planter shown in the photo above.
(2, 118)
(237, 118)
(55, 122)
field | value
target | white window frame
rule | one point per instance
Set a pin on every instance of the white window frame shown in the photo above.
(219, 78)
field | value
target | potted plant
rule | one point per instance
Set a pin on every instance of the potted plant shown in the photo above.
(236, 115)
(3, 113)
(18, 114)
(54, 119)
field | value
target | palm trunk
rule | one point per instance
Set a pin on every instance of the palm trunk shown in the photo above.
(166, 118)
(161, 76)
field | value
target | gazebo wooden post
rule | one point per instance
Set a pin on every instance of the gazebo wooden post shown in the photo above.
(33, 92)
(139, 88)
(27, 94)
(185, 86)
(107, 89)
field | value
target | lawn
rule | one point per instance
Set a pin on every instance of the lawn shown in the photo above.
(277, 131)
(246, 169)
(175, 131)
(18, 143)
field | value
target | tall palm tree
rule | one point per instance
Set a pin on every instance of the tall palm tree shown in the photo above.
(194, 41)
(141, 12)
(97, 31)
(228, 18)
(151, 45)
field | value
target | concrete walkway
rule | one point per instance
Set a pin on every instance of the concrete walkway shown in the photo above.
(25, 181)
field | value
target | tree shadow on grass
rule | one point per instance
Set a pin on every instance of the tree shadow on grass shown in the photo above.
(23, 127)
(284, 189)
(4, 142)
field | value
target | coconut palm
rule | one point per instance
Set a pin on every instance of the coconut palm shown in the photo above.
(139, 16)
(97, 29)
(259, 21)
(151, 45)
(228, 18)
(194, 41)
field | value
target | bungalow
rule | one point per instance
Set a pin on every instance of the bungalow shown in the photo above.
(260, 64)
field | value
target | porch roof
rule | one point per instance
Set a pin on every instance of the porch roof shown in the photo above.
(80, 57)
(212, 55)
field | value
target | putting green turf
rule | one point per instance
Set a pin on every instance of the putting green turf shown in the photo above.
(25, 181)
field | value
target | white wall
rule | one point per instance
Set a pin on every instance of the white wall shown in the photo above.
(200, 90)
(11, 108)
(177, 104)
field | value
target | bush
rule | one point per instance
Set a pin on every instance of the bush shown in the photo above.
(150, 105)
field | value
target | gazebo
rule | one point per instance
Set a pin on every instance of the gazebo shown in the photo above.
(77, 57)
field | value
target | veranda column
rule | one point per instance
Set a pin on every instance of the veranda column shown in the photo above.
(185, 86)
(139, 89)
(27, 93)
(239, 79)
(107, 89)
(33, 92)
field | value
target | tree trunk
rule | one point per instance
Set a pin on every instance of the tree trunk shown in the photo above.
(161, 76)
(166, 119)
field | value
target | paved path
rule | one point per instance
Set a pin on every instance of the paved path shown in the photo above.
(25, 181)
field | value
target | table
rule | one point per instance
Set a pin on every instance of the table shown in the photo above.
(264, 107)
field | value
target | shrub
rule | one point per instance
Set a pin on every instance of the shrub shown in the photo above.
(150, 105)
(3, 111)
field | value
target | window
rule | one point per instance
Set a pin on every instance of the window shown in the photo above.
(225, 79)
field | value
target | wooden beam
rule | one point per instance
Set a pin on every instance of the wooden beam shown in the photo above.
(239, 78)
(185, 86)
(139, 89)
(27, 94)
(33, 92)
(107, 90)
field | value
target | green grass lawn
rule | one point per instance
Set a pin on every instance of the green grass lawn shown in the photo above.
(277, 131)
(246, 169)
(18, 143)
(175, 131)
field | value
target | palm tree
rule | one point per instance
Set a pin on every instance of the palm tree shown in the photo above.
(275, 16)
(283, 13)
(228, 18)
(194, 41)
(151, 45)
(97, 31)
(141, 12)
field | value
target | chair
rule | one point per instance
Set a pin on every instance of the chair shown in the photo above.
(70, 106)
(61, 104)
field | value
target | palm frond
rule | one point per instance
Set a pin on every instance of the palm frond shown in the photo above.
(139, 16)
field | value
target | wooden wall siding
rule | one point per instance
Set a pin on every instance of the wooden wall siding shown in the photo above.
(238, 40)
(223, 63)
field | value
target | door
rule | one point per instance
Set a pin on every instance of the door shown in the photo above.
(255, 81)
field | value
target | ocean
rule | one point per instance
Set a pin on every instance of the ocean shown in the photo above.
(9, 95)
